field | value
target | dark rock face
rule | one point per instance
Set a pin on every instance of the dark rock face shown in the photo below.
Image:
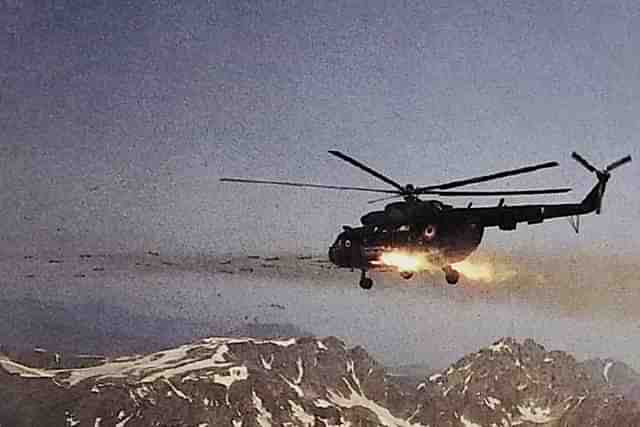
(312, 382)
(509, 383)
(216, 382)
(611, 372)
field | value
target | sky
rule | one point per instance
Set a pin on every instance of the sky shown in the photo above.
(118, 118)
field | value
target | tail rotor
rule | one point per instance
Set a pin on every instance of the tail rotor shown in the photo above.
(603, 175)
(618, 163)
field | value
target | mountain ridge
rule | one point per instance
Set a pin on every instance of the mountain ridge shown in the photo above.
(258, 382)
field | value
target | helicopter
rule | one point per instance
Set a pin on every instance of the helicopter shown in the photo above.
(407, 232)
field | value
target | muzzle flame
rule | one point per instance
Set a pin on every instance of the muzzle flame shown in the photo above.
(403, 261)
(477, 270)
(406, 261)
(492, 271)
(483, 272)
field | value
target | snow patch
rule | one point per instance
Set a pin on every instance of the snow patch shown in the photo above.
(342, 422)
(71, 421)
(321, 403)
(178, 392)
(447, 390)
(355, 399)
(535, 415)
(207, 354)
(157, 366)
(606, 370)
(264, 417)
(183, 369)
(466, 383)
(165, 364)
(435, 377)
(468, 423)
(499, 347)
(492, 402)
(236, 373)
(301, 415)
(298, 379)
(218, 356)
(281, 343)
(267, 365)
(295, 387)
(321, 345)
(125, 421)
(143, 391)
(97, 422)
(351, 370)
(23, 371)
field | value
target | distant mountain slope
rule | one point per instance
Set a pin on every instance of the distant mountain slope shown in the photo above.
(511, 383)
(311, 382)
(96, 327)
(93, 327)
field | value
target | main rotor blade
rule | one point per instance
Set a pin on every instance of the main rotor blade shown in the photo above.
(301, 184)
(365, 168)
(382, 199)
(618, 163)
(498, 192)
(583, 162)
(483, 178)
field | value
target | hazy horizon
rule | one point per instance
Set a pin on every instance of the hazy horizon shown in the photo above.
(163, 300)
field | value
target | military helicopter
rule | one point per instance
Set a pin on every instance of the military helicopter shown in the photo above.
(435, 232)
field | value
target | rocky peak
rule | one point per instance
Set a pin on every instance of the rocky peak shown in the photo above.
(215, 382)
(250, 382)
(611, 372)
(512, 383)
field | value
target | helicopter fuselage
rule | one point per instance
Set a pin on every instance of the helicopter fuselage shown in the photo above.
(415, 235)
(439, 243)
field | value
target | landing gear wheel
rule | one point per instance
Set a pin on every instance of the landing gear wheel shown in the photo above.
(365, 282)
(406, 275)
(452, 276)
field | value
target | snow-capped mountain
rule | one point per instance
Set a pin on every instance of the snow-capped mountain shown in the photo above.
(511, 383)
(215, 382)
(248, 382)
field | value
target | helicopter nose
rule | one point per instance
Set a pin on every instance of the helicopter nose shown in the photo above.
(332, 254)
